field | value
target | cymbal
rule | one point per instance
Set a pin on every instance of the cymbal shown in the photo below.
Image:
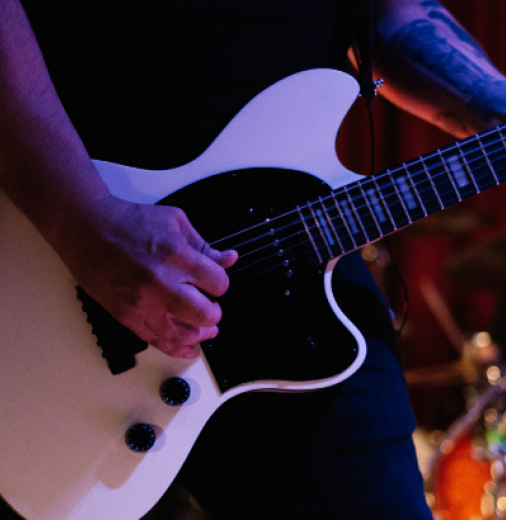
(481, 266)
(455, 221)
(453, 373)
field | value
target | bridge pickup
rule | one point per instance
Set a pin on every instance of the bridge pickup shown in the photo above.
(119, 344)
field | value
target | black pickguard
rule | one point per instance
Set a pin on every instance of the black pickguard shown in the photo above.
(283, 329)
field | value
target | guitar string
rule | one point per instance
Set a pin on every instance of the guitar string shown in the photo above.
(308, 252)
(339, 226)
(442, 173)
(345, 250)
(358, 207)
(295, 269)
(413, 162)
(283, 269)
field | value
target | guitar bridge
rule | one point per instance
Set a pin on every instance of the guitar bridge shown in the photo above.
(119, 344)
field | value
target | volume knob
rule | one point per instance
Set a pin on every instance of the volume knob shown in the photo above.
(140, 437)
(175, 391)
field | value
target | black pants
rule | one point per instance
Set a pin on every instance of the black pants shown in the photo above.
(343, 453)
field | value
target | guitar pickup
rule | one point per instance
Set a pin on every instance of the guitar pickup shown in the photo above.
(118, 343)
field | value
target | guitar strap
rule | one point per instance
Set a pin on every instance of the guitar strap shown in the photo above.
(364, 42)
(377, 323)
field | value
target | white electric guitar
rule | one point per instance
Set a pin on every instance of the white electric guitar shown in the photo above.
(79, 443)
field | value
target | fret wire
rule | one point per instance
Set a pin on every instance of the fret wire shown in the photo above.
(391, 195)
(433, 156)
(331, 224)
(348, 217)
(399, 196)
(486, 159)
(457, 147)
(498, 129)
(381, 198)
(434, 189)
(303, 220)
(350, 234)
(349, 225)
(385, 205)
(417, 195)
(305, 254)
(449, 175)
(430, 178)
(466, 165)
(356, 198)
(350, 200)
(373, 215)
(324, 238)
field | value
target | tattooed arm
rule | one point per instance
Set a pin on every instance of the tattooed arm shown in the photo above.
(434, 69)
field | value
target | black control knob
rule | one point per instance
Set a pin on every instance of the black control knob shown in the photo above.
(140, 437)
(175, 391)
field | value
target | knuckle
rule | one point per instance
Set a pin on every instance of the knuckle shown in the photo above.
(176, 302)
(176, 213)
(203, 247)
(125, 306)
(175, 252)
(177, 351)
(208, 316)
(185, 336)
(181, 334)
(222, 285)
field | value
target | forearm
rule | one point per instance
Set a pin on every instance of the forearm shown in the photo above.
(44, 167)
(434, 69)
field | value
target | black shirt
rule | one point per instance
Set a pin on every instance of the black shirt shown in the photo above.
(151, 83)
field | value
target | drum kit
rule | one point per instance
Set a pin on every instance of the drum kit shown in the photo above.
(464, 468)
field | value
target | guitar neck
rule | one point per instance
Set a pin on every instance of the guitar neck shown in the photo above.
(376, 206)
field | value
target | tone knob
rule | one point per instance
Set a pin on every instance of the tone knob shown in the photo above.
(175, 391)
(140, 437)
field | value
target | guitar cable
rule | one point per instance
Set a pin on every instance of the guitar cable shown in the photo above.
(395, 264)
(362, 47)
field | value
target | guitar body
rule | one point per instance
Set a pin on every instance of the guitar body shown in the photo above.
(63, 415)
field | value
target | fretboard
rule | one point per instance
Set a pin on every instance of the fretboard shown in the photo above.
(367, 210)
(376, 206)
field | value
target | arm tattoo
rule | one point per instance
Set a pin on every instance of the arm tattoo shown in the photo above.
(458, 31)
(435, 42)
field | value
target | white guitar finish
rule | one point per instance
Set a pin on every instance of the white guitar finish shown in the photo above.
(63, 416)
(293, 125)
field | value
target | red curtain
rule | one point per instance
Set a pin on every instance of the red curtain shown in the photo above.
(421, 255)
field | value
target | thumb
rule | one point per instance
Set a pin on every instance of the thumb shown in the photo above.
(225, 259)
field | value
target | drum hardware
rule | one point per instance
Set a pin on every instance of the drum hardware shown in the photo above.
(480, 266)
(456, 221)
(465, 479)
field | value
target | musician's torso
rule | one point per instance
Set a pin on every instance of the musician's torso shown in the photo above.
(164, 77)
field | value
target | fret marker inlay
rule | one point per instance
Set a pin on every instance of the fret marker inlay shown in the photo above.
(349, 217)
(376, 204)
(324, 226)
(455, 165)
(403, 185)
